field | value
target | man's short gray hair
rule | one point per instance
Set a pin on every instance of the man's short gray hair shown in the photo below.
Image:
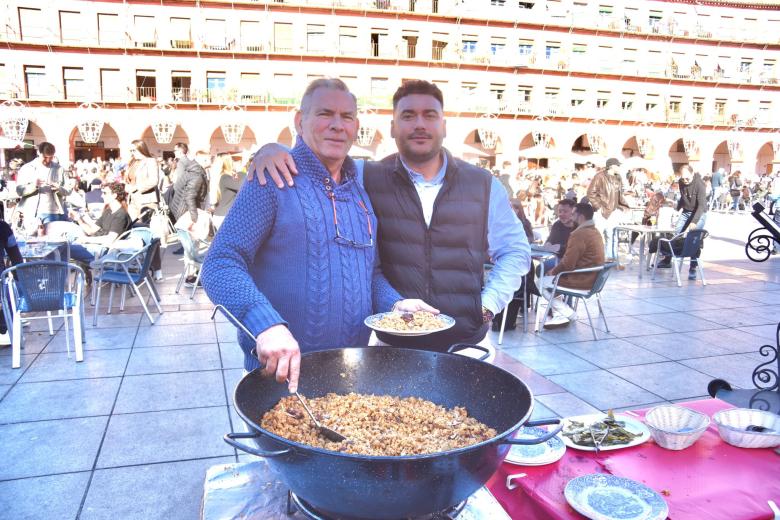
(329, 83)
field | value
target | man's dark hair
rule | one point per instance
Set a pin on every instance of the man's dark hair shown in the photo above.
(46, 148)
(183, 146)
(584, 209)
(418, 86)
(567, 202)
(118, 189)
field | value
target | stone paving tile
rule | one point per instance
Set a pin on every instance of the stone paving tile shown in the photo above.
(180, 318)
(677, 346)
(97, 339)
(108, 321)
(625, 326)
(34, 342)
(4, 390)
(144, 438)
(58, 366)
(158, 392)
(566, 404)
(731, 340)
(680, 322)
(668, 380)
(538, 384)
(518, 338)
(549, 360)
(737, 369)
(742, 317)
(629, 308)
(49, 447)
(540, 412)
(762, 297)
(160, 360)
(55, 496)
(611, 353)
(576, 331)
(231, 354)
(59, 399)
(165, 335)
(603, 390)
(8, 375)
(685, 304)
(168, 491)
(765, 332)
(232, 377)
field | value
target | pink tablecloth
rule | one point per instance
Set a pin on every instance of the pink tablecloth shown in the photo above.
(711, 479)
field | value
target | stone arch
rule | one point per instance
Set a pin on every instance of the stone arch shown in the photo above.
(107, 147)
(766, 159)
(217, 143)
(164, 150)
(474, 150)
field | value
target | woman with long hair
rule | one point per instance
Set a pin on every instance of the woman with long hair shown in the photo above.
(143, 178)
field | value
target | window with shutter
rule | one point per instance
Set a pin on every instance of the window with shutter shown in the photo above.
(110, 33)
(283, 37)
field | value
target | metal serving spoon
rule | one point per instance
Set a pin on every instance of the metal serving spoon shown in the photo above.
(326, 432)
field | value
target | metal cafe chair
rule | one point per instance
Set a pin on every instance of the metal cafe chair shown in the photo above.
(194, 255)
(583, 294)
(128, 269)
(43, 286)
(690, 248)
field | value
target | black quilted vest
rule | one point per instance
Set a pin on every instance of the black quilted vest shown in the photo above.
(441, 264)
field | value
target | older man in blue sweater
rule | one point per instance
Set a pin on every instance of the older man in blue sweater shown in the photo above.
(297, 266)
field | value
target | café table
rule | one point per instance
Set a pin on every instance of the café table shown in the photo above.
(40, 250)
(644, 232)
(710, 479)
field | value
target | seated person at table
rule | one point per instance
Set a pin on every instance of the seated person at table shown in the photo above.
(560, 231)
(9, 248)
(585, 248)
(101, 233)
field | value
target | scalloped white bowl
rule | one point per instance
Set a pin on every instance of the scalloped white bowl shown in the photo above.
(675, 427)
(732, 426)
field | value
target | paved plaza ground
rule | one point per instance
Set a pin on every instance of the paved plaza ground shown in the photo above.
(129, 433)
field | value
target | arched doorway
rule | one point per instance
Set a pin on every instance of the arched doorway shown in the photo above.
(217, 143)
(476, 152)
(766, 160)
(679, 156)
(164, 150)
(537, 155)
(722, 159)
(106, 148)
(582, 152)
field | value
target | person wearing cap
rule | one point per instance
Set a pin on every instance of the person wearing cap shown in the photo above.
(605, 194)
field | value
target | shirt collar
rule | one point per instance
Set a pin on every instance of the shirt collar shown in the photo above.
(417, 178)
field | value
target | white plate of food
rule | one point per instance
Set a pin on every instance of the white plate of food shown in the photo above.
(607, 497)
(535, 454)
(609, 431)
(417, 323)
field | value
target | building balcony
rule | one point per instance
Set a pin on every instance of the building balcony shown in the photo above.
(181, 95)
(146, 94)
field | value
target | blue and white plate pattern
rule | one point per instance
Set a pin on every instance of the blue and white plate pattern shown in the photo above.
(535, 454)
(607, 497)
(370, 322)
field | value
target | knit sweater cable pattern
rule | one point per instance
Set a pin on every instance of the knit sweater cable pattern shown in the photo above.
(275, 260)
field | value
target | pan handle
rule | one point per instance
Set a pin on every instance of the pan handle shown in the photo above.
(457, 347)
(544, 438)
(230, 438)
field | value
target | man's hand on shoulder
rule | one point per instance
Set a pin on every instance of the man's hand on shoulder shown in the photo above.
(278, 350)
(277, 161)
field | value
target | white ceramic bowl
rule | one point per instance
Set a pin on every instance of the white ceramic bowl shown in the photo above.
(732, 426)
(674, 427)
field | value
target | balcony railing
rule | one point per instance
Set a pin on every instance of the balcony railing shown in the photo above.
(181, 94)
(146, 93)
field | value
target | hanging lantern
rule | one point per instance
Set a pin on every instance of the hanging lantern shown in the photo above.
(233, 123)
(163, 123)
(644, 141)
(595, 141)
(367, 130)
(486, 131)
(734, 144)
(690, 144)
(13, 119)
(91, 122)
(541, 132)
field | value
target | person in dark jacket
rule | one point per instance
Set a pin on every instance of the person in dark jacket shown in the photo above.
(191, 185)
(8, 248)
(692, 205)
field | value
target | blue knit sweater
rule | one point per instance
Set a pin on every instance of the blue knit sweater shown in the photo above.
(275, 260)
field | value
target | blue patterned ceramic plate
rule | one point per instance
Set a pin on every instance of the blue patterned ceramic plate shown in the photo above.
(535, 454)
(607, 497)
(372, 322)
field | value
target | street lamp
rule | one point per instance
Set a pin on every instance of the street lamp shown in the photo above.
(163, 123)
(13, 119)
(487, 131)
(644, 141)
(91, 122)
(690, 144)
(595, 141)
(367, 130)
(540, 132)
(734, 144)
(233, 123)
